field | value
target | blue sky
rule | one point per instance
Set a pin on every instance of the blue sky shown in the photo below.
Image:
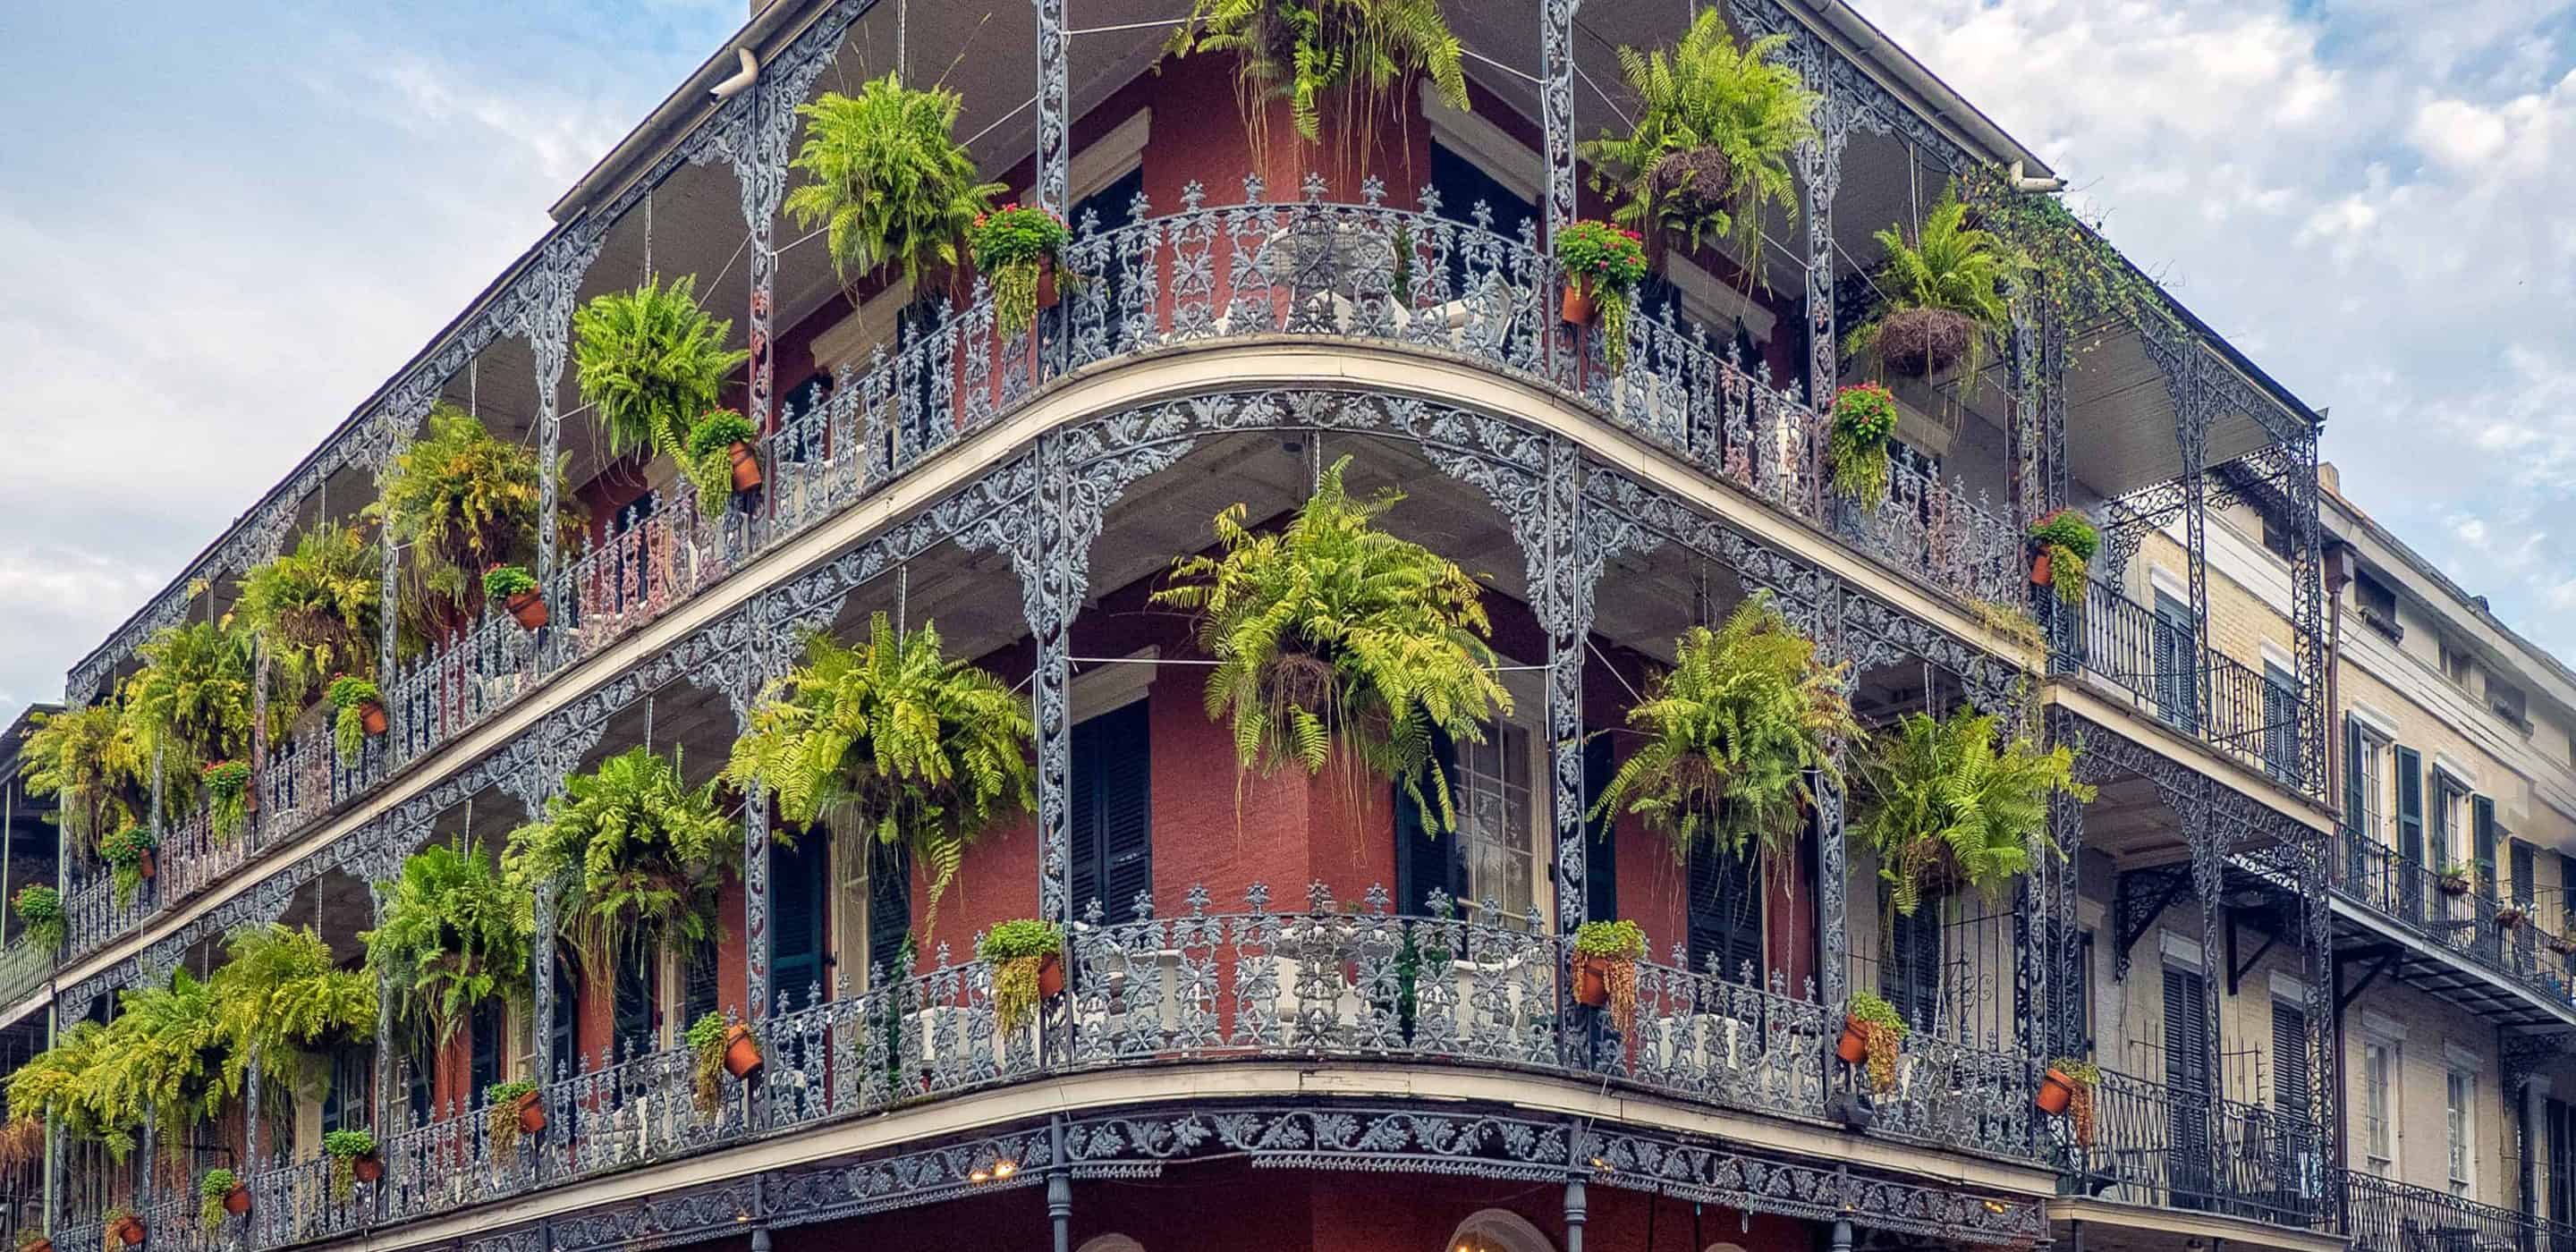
(221, 227)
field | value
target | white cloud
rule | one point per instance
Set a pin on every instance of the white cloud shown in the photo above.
(2371, 196)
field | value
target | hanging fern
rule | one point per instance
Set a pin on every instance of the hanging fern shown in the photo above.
(650, 362)
(458, 501)
(86, 758)
(319, 608)
(161, 1062)
(1940, 800)
(451, 937)
(1302, 51)
(1949, 274)
(281, 1000)
(1733, 732)
(1336, 639)
(55, 1081)
(191, 703)
(637, 855)
(894, 738)
(1710, 147)
(891, 184)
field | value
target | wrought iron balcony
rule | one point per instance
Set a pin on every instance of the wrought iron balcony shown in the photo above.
(1328, 983)
(2154, 660)
(1304, 269)
(2501, 935)
(2158, 1145)
(2384, 1215)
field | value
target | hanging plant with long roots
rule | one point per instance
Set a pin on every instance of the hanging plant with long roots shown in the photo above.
(651, 362)
(281, 1001)
(637, 855)
(1733, 733)
(1304, 51)
(318, 608)
(890, 183)
(1335, 640)
(451, 938)
(458, 501)
(895, 739)
(1710, 146)
(1943, 801)
(86, 758)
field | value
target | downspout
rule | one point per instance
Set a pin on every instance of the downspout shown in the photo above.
(2338, 575)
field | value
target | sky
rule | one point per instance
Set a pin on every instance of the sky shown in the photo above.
(222, 227)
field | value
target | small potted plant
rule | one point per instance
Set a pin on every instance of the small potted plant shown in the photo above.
(40, 912)
(2062, 544)
(2453, 878)
(128, 854)
(1603, 265)
(123, 1227)
(1856, 448)
(1015, 249)
(1027, 957)
(229, 799)
(353, 1161)
(358, 713)
(2067, 1088)
(516, 589)
(720, 458)
(219, 1194)
(512, 1109)
(2508, 916)
(31, 1239)
(2563, 944)
(720, 1047)
(1872, 1033)
(1605, 968)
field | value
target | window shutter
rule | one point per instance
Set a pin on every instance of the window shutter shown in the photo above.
(2186, 1030)
(889, 907)
(798, 879)
(483, 1048)
(631, 1027)
(2280, 723)
(1112, 818)
(1600, 845)
(1424, 861)
(2482, 825)
(2290, 1087)
(2354, 747)
(2177, 694)
(2410, 828)
(1912, 972)
(1724, 915)
(2560, 1167)
(565, 1049)
(701, 990)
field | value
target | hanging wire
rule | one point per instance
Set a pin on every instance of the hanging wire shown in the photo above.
(649, 193)
(648, 719)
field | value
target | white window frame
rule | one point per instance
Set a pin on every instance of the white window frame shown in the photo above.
(1528, 698)
(2460, 1128)
(2389, 1040)
(2378, 795)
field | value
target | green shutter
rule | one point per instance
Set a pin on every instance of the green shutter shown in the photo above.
(1600, 843)
(2354, 747)
(2410, 806)
(1424, 861)
(2482, 824)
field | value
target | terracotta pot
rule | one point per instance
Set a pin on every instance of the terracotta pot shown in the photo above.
(367, 1167)
(1579, 307)
(746, 467)
(527, 606)
(128, 1230)
(145, 865)
(532, 1114)
(40, 1245)
(1051, 978)
(2507, 919)
(1853, 1047)
(237, 1201)
(2056, 1091)
(371, 715)
(1047, 294)
(742, 1052)
(2450, 886)
(2039, 569)
(1592, 981)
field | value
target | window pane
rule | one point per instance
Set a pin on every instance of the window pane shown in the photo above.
(1494, 822)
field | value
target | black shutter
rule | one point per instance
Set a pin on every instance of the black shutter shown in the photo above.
(2280, 723)
(703, 989)
(889, 907)
(2290, 1081)
(799, 887)
(333, 1106)
(2555, 1110)
(1113, 800)
(1910, 977)
(1425, 862)
(1600, 844)
(2187, 1081)
(2356, 840)
(2410, 831)
(631, 1013)
(483, 1050)
(2525, 893)
(566, 1051)
(422, 1092)
(2176, 660)
(2482, 826)
(1724, 914)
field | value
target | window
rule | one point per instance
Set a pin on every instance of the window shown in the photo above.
(1494, 820)
(1600, 850)
(2507, 702)
(1112, 815)
(2280, 538)
(1724, 914)
(799, 902)
(2455, 663)
(2459, 1087)
(889, 928)
(2378, 1105)
(631, 1016)
(483, 1050)
(700, 984)
(2378, 605)
(2177, 689)
(2367, 785)
(2280, 723)
(1909, 979)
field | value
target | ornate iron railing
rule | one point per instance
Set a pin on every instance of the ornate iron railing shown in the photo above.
(23, 968)
(2384, 1215)
(1304, 268)
(2502, 935)
(2158, 1145)
(1331, 982)
(2154, 659)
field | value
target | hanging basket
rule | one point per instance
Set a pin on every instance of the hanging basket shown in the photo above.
(237, 1201)
(128, 1230)
(1853, 1047)
(1592, 981)
(2040, 569)
(2056, 1091)
(746, 468)
(144, 865)
(1693, 181)
(1579, 308)
(371, 716)
(367, 1166)
(532, 1114)
(1924, 343)
(1051, 978)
